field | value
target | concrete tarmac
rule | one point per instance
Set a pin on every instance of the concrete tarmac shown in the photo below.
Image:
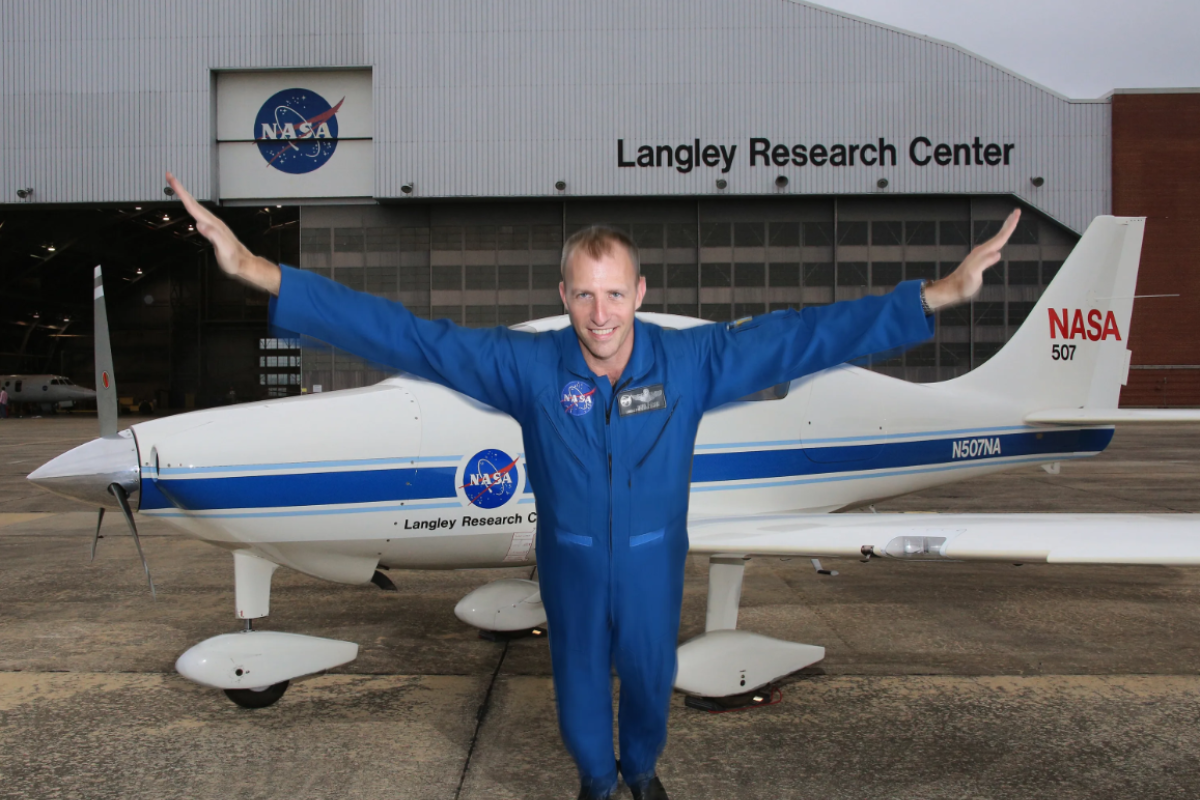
(941, 680)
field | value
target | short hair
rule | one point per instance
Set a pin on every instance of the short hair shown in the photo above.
(597, 241)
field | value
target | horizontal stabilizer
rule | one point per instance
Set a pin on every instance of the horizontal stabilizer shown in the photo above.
(1164, 539)
(1112, 416)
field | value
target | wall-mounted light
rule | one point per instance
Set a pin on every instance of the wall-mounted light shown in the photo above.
(139, 271)
(1037, 182)
(882, 183)
(166, 217)
(51, 248)
(781, 181)
(168, 191)
(23, 193)
(407, 188)
(722, 183)
(560, 186)
(137, 208)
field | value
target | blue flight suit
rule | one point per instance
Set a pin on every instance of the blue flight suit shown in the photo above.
(612, 488)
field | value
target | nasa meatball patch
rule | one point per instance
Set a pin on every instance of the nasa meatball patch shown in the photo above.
(644, 398)
(577, 398)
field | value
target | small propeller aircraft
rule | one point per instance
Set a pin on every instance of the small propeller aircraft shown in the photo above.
(408, 474)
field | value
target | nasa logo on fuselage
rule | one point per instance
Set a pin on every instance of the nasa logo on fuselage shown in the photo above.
(577, 398)
(296, 130)
(489, 479)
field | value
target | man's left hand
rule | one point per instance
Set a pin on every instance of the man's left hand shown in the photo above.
(962, 284)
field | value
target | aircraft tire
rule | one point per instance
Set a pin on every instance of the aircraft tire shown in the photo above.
(251, 698)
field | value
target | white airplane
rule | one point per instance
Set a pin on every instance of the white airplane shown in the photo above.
(408, 474)
(44, 390)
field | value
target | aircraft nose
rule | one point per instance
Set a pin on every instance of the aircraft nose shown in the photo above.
(86, 472)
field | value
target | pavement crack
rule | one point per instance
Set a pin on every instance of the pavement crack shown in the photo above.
(480, 716)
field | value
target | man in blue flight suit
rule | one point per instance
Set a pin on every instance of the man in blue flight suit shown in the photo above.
(609, 409)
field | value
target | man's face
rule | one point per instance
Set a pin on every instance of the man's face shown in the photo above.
(601, 295)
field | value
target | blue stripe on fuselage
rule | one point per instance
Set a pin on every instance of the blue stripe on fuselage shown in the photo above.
(759, 464)
(309, 489)
(390, 485)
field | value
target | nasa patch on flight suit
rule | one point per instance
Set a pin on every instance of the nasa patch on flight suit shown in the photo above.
(641, 399)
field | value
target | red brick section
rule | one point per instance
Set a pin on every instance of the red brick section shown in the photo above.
(1156, 174)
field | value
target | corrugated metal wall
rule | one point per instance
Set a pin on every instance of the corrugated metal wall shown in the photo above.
(484, 99)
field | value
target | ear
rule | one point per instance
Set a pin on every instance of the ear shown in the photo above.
(562, 292)
(641, 292)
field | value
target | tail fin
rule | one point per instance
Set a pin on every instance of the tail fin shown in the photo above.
(1071, 351)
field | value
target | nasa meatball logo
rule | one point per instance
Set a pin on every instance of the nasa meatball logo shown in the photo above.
(577, 398)
(489, 479)
(296, 131)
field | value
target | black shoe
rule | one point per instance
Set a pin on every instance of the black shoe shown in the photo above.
(651, 791)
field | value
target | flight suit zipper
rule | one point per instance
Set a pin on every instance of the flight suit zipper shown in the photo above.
(608, 445)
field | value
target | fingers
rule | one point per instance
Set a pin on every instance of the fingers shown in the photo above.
(1006, 230)
(198, 212)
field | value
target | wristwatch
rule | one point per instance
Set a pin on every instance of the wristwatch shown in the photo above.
(925, 303)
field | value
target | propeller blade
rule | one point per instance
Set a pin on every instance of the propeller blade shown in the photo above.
(106, 384)
(96, 535)
(118, 492)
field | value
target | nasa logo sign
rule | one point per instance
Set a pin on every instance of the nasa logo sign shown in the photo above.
(577, 398)
(489, 479)
(296, 130)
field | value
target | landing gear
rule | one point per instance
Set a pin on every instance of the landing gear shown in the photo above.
(258, 698)
(726, 668)
(254, 668)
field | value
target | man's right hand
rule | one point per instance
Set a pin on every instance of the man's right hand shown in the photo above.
(232, 256)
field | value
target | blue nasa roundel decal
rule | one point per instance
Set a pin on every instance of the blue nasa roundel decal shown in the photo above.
(490, 479)
(296, 130)
(577, 398)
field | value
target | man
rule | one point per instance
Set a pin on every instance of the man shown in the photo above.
(608, 409)
(3, 403)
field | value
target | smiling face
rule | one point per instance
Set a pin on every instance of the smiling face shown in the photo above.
(601, 294)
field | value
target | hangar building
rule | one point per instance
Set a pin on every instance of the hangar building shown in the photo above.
(762, 153)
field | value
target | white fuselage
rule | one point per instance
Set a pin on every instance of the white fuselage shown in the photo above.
(43, 389)
(335, 484)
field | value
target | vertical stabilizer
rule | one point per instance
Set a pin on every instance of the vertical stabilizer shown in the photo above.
(106, 385)
(1072, 352)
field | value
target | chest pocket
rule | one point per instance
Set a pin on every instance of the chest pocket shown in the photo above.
(645, 431)
(572, 440)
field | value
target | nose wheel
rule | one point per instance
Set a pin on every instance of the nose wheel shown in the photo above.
(258, 698)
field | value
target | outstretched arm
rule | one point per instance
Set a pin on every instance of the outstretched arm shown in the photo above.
(483, 364)
(962, 284)
(232, 256)
(738, 359)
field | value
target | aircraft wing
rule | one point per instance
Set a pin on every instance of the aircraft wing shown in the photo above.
(1165, 539)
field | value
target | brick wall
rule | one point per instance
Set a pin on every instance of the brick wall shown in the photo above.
(1156, 174)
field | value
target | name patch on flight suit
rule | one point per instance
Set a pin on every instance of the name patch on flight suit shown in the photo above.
(644, 398)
